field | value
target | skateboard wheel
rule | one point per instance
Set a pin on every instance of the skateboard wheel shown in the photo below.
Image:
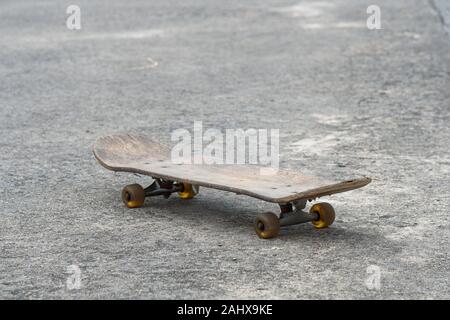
(133, 195)
(326, 215)
(267, 225)
(189, 191)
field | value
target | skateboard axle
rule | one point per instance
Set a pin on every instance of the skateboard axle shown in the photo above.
(297, 217)
(290, 216)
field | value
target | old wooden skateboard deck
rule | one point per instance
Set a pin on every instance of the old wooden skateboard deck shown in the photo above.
(291, 190)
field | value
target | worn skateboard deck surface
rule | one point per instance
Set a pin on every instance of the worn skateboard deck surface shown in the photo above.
(141, 154)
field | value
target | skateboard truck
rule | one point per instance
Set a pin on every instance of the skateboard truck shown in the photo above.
(297, 216)
(267, 225)
(161, 187)
(134, 195)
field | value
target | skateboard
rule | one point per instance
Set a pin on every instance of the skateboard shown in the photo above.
(290, 190)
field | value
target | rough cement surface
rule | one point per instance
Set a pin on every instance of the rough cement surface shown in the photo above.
(346, 100)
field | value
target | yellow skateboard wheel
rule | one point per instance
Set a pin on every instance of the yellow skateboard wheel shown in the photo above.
(326, 215)
(189, 191)
(133, 195)
(267, 225)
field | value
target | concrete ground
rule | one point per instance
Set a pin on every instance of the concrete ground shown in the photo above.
(347, 100)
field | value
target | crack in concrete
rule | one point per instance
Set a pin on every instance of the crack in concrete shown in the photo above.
(437, 7)
(438, 12)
